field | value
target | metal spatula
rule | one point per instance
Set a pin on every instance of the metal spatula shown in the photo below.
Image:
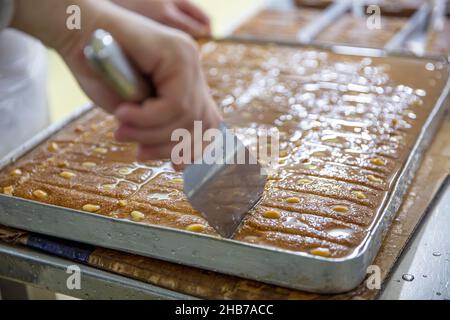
(222, 190)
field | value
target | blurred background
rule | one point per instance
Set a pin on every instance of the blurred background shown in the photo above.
(63, 91)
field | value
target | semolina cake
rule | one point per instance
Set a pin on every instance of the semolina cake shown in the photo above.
(277, 24)
(353, 30)
(347, 125)
(388, 7)
(285, 25)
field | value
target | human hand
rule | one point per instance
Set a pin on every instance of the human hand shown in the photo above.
(166, 56)
(179, 14)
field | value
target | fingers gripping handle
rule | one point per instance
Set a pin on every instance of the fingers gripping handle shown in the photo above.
(107, 58)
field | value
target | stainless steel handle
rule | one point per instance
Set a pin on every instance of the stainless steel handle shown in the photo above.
(106, 56)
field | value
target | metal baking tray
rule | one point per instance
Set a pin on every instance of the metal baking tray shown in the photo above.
(305, 35)
(416, 22)
(336, 10)
(297, 270)
(387, 9)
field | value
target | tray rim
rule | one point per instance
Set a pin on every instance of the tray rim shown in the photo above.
(359, 256)
(352, 50)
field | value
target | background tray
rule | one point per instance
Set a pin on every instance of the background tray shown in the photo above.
(324, 15)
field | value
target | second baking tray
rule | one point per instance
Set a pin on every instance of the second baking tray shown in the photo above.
(335, 24)
(267, 264)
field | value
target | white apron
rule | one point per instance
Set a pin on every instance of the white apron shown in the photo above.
(23, 97)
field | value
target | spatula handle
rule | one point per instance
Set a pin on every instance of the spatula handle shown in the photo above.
(106, 56)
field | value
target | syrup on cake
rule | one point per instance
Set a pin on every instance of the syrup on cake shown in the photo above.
(347, 124)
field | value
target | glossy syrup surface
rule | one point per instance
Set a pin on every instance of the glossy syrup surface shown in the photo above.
(347, 124)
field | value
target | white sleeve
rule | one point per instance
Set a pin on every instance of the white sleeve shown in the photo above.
(6, 13)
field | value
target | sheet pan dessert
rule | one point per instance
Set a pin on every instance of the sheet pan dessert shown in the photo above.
(353, 30)
(347, 124)
(388, 7)
(348, 29)
(278, 24)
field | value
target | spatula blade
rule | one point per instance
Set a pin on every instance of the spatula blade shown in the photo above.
(225, 191)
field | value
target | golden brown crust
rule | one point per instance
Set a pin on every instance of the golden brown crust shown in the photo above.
(351, 30)
(347, 125)
(388, 7)
(277, 24)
